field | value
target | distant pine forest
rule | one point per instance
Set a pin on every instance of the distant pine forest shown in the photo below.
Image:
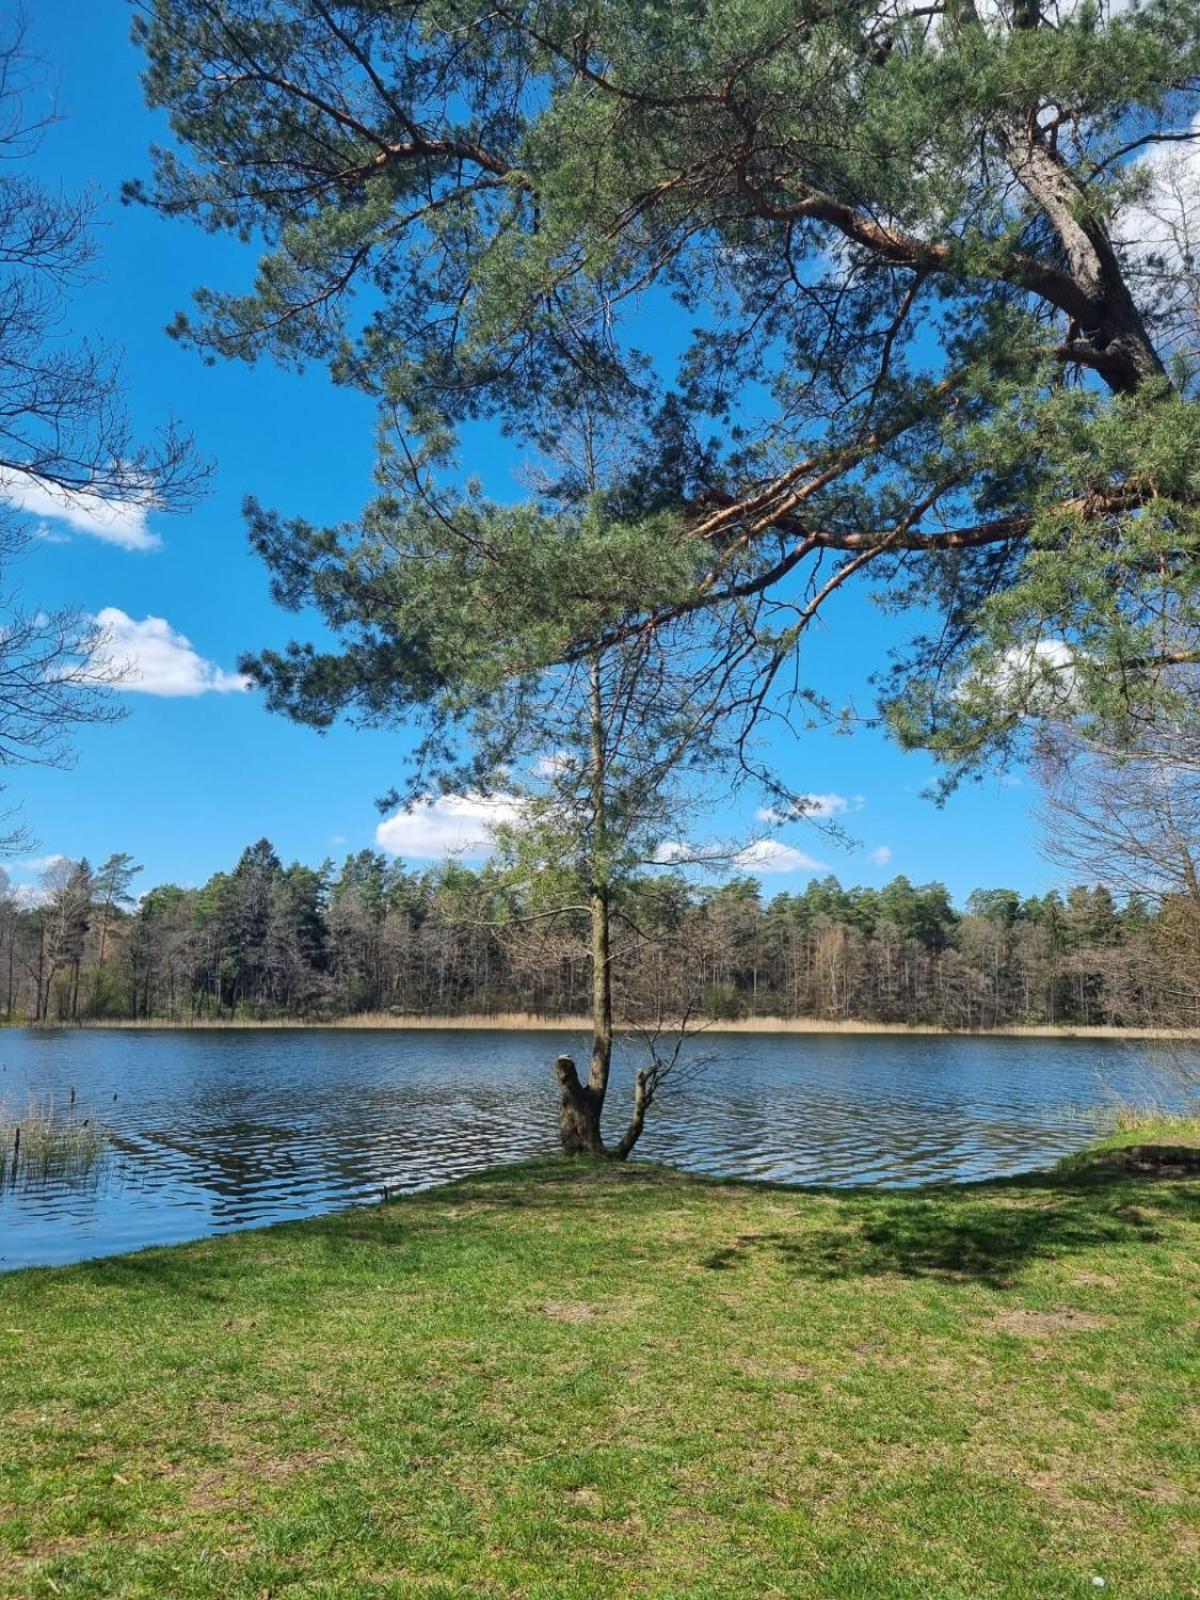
(268, 941)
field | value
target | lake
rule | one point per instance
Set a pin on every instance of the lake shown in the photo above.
(220, 1130)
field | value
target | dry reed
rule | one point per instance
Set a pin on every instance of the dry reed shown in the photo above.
(529, 1022)
(46, 1142)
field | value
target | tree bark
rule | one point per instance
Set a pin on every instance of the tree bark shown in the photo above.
(599, 892)
(581, 1105)
(641, 1104)
(579, 1112)
(1125, 355)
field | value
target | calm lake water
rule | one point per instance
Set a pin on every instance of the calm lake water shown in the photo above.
(214, 1131)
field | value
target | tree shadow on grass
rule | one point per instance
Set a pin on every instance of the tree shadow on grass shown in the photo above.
(983, 1232)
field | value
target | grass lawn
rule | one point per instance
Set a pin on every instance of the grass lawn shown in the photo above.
(562, 1381)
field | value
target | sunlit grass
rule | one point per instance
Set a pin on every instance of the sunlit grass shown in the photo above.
(1153, 1120)
(568, 1382)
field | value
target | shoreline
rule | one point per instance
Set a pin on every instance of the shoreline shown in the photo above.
(519, 1022)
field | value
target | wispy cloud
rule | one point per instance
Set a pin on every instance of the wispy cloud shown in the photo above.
(553, 765)
(150, 657)
(823, 807)
(772, 856)
(446, 825)
(38, 863)
(435, 827)
(761, 855)
(120, 522)
(881, 854)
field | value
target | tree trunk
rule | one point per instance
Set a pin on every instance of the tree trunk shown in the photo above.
(641, 1104)
(41, 1000)
(598, 898)
(579, 1112)
(581, 1105)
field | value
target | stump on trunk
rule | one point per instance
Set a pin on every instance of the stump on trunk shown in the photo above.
(579, 1111)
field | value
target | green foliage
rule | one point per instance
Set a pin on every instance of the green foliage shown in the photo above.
(722, 1002)
(921, 354)
(269, 941)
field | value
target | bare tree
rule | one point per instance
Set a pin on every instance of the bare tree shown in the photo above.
(66, 443)
(1131, 818)
(64, 923)
(64, 428)
(1128, 818)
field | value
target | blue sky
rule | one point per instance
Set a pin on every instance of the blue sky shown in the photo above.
(188, 779)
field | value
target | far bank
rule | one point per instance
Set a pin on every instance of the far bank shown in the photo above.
(527, 1022)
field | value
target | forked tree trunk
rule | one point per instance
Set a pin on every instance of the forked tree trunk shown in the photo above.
(581, 1105)
(579, 1111)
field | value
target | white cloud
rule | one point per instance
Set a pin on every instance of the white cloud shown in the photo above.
(881, 855)
(1159, 232)
(149, 657)
(770, 855)
(760, 855)
(553, 765)
(825, 806)
(1038, 678)
(30, 895)
(1153, 223)
(39, 863)
(993, 12)
(822, 806)
(447, 825)
(119, 522)
(1045, 667)
(678, 852)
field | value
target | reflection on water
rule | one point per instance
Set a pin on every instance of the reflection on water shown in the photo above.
(222, 1130)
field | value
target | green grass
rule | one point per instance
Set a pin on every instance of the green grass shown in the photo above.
(558, 1381)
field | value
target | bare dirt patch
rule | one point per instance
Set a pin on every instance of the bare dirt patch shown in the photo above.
(588, 1498)
(776, 1371)
(1095, 1280)
(216, 1487)
(66, 1545)
(1048, 1324)
(569, 1311)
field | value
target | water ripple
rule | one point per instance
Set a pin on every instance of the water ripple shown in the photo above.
(213, 1131)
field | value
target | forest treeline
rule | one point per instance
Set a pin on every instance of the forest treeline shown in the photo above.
(267, 940)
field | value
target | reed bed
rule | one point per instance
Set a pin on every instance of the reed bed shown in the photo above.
(47, 1142)
(1132, 1118)
(530, 1022)
(509, 1022)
